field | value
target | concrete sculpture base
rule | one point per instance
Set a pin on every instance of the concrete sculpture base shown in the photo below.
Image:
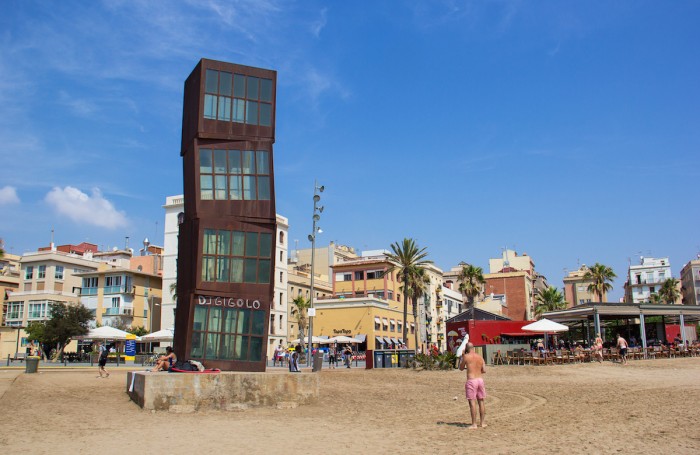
(227, 391)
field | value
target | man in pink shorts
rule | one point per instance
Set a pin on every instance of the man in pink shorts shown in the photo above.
(474, 387)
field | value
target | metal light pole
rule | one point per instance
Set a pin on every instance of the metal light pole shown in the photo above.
(312, 238)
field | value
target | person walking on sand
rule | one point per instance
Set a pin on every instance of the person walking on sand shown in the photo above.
(622, 345)
(598, 348)
(102, 360)
(474, 387)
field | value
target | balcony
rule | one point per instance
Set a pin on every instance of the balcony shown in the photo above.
(117, 290)
(117, 311)
(88, 291)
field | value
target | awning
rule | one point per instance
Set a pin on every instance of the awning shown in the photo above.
(386, 321)
(394, 340)
(380, 340)
(377, 320)
(387, 340)
(400, 340)
(361, 337)
(412, 325)
(392, 322)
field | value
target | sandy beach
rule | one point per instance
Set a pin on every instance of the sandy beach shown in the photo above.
(645, 407)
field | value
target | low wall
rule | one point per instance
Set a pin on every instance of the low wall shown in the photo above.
(186, 392)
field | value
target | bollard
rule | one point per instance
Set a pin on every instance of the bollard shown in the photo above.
(8, 360)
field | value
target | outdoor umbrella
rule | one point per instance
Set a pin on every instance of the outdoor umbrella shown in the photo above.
(545, 326)
(105, 333)
(313, 340)
(161, 335)
(343, 339)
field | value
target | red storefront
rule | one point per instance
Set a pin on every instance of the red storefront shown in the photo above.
(487, 332)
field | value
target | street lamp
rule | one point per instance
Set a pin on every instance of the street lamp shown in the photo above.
(312, 237)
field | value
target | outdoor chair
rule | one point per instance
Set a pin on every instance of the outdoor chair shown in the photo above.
(558, 358)
(497, 358)
(536, 358)
(509, 357)
(614, 354)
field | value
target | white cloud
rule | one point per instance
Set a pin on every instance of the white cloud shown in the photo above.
(82, 208)
(8, 195)
(319, 24)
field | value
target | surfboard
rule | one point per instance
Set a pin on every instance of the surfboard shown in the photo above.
(463, 346)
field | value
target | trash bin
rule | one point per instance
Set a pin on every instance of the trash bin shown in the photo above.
(318, 361)
(31, 364)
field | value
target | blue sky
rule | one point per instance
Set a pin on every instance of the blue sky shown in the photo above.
(566, 130)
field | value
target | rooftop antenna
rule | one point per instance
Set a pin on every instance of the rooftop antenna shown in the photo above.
(126, 243)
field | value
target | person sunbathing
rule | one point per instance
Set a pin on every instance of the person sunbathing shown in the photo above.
(165, 362)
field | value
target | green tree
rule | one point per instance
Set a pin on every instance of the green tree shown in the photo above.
(471, 282)
(655, 299)
(417, 288)
(66, 322)
(549, 300)
(301, 306)
(138, 331)
(407, 258)
(669, 291)
(601, 277)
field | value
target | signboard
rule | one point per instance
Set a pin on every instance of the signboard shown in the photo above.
(130, 346)
(311, 311)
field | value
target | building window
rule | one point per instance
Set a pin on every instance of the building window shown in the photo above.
(236, 256)
(400, 326)
(15, 310)
(392, 325)
(237, 98)
(29, 272)
(281, 299)
(234, 175)
(281, 322)
(281, 256)
(650, 277)
(281, 277)
(272, 324)
(281, 238)
(222, 333)
(374, 274)
(58, 274)
(42, 272)
(662, 276)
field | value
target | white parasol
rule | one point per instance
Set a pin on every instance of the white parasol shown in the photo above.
(105, 333)
(343, 339)
(545, 326)
(161, 335)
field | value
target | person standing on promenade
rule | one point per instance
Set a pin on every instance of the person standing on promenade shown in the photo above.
(348, 356)
(102, 360)
(622, 345)
(332, 350)
(277, 355)
(474, 387)
(598, 348)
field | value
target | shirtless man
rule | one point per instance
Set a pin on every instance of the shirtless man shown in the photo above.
(474, 387)
(622, 345)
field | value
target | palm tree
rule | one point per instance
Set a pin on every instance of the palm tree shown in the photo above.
(301, 305)
(549, 300)
(655, 299)
(2, 250)
(669, 291)
(417, 288)
(406, 259)
(601, 275)
(471, 282)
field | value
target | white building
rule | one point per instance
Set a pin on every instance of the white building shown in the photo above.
(174, 205)
(646, 278)
(279, 307)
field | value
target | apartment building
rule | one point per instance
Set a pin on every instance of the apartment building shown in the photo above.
(646, 278)
(576, 288)
(690, 282)
(47, 276)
